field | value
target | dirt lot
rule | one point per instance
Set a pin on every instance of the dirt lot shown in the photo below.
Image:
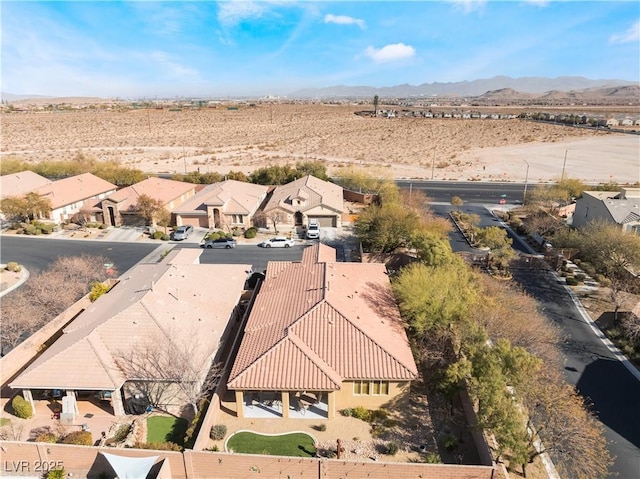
(163, 141)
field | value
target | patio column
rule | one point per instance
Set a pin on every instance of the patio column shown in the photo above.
(240, 403)
(26, 393)
(331, 404)
(75, 403)
(116, 403)
(285, 404)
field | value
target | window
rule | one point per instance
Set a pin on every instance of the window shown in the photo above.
(371, 388)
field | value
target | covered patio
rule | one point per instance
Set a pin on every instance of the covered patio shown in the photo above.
(284, 404)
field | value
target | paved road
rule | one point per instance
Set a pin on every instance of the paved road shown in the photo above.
(590, 366)
(36, 254)
(470, 192)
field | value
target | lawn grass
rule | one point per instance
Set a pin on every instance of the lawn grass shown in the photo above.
(166, 429)
(294, 444)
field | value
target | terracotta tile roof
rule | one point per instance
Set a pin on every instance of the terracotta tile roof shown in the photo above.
(74, 189)
(153, 302)
(158, 188)
(315, 324)
(19, 184)
(234, 197)
(313, 191)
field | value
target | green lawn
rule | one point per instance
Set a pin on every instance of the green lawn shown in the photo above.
(166, 429)
(294, 444)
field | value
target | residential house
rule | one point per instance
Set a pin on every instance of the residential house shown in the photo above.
(321, 336)
(306, 198)
(621, 208)
(19, 184)
(71, 195)
(112, 349)
(613, 122)
(120, 208)
(224, 205)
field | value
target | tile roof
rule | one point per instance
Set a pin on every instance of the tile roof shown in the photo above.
(74, 189)
(152, 303)
(313, 191)
(317, 323)
(234, 197)
(158, 188)
(19, 184)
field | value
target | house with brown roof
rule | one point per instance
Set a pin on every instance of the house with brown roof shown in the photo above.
(225, 205)
(69, 196)
(621, 208)
(19, 184)
(114, 347)
(306, 198)
(120, 208)
(321, 336)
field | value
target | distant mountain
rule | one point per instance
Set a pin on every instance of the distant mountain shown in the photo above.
(532, 85)
(11, 97)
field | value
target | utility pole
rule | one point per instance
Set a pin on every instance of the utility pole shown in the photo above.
(564, 164)
(433, 162)
(526, 179)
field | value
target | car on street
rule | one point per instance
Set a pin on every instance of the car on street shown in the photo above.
(225, 243)
(313, 230)
(182, 233)
(277, 242)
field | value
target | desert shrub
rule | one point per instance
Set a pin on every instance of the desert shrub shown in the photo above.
(432, 458)
(571, 281)
(588, 268)
(47, 437)
(97, 290)
(378, 415)
(21, 407)
(79, 438)
(157, 235)
(580, 277)
(218, 432)
(165, 237)
(250, 233)
(31, 230)
(362, 413)
(450, 443)
(213, 448)
(13, 266)
(322, 427)
(158, 446)
(56, 474)
(347, 412)
(120, 435)
(102, 226)
(392, 448)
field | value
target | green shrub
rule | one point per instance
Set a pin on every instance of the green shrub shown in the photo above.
(580, 277)
(450, 443)
(97, 290)
(347, 412)
(120, 435)
(157, 235)
(322, 427)
(165, 237)
(102, 226)
(56, 474)
(218, 432)
(79, 438)
(47, 437)
(378, 415)
(213, 448)
(21, 407)
(31, 230)
(251, 233)
(392, 448)
(362, 413)
(13, 266)
(571, 281)
(432, 458)
(158, 446)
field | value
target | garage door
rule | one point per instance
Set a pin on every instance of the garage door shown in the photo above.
(325, 221)
(195, 221)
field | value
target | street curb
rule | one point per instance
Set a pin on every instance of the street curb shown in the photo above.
(24, 277)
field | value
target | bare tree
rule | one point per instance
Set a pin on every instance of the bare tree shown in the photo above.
(149, 208)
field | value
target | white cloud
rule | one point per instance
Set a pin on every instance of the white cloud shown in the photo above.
(628, 36)
(343, 20)
(233, 12)
(538, 3)
(389, 53)
(164, 61)
(468, 6)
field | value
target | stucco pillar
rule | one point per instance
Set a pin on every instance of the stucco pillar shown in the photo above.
(116, 403)
(75, 403)
(26, 393)
(285, 404)
(240, 403)
(331, 404)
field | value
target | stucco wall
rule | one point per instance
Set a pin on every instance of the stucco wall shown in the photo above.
(345, 397)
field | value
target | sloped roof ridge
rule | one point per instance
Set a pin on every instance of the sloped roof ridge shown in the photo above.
(257, 359)
(99, 352)
(333, 375)
(153, 317)
(371, 338)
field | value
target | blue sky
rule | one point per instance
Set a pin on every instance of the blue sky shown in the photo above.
(212, 49)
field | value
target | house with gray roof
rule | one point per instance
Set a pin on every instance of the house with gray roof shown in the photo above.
(621, 208)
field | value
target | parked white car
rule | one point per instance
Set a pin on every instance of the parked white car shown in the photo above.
(313, 230)
(277, 242)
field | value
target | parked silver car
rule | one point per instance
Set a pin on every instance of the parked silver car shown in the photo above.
(225, 243)
(182, 233)
(277, 242)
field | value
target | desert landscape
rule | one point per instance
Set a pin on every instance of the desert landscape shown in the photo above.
(252, 136)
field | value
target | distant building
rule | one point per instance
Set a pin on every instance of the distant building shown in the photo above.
(621, 208)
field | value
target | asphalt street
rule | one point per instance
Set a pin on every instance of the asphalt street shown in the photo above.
(470, 192)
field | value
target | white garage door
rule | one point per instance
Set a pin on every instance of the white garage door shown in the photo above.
(326, 221)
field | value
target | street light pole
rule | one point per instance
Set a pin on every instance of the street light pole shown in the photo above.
(433, 162)
(526, 179)
(564, 163)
